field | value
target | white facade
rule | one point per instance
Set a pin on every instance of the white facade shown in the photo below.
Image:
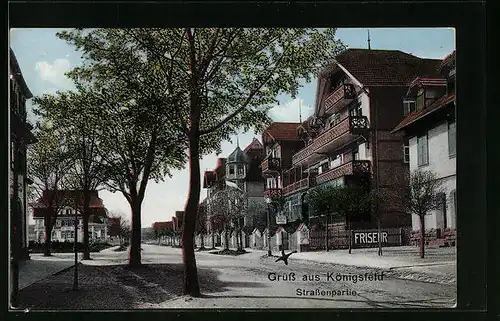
(64, 228)
(442, 162)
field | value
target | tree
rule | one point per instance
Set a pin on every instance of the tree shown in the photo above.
(353, 202)
(325, 201)
(213, 82)
(48, 164)
(422, 197)
(201, 223)
(139, 139)
(76, 115)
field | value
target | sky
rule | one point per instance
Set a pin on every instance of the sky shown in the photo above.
(44, 59)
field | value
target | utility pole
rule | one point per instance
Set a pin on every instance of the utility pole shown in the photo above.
(269, 253)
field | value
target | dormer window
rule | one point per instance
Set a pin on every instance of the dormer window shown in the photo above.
(231, 170)
(241, 170)
(409, 106)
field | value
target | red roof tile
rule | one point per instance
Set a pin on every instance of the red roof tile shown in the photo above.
(282, 131)
(163, 225)
(448, 60)
(384, 67)
(441, 102)
(255, 144)
(419, 81)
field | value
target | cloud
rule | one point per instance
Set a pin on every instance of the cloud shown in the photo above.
(55, 72)
(289, 111)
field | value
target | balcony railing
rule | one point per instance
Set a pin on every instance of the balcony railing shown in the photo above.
(272, 192)
(300, 185)
(271, 164)
(354, 125)
(355, 167)
(339, 98)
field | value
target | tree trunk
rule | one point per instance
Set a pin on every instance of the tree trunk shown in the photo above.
(86, 215)
(213, 240)
(135, 233)
(202, 245)
(191, 286)
(422, 236)
(226, 239)
(48, 240)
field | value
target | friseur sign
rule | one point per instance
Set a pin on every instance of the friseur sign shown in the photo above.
(370, 238)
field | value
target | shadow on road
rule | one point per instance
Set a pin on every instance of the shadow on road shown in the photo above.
(117, 287)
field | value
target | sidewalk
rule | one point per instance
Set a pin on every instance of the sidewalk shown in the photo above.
(438, 265)
(39, 267)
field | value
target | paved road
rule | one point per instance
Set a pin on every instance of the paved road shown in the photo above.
(249, 281)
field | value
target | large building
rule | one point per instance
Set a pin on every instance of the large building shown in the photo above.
(241, 169)
(281, 141)
(430, 130)
(20, 137)
(348, 138)
(63, 229)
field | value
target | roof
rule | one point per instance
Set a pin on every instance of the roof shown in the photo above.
(384, 67)
(448, 60)
(238, 156)
(68, 195)
(282, 131)
(419, 81)
(377, 68)
(255, 144)
(16, 72)
(413, 117)
(163, 225)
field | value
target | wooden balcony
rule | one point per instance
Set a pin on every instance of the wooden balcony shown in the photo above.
(344, 132)
(339, 98)
(300, 185)
(271, 166)
(355, 167)
(272, 192)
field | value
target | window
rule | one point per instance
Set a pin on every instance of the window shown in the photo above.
(355, 155)
(337, 160)
(452, 139)
(68, 211)
(231, 170)
(324, 167)
(335, 119)
(409, 106)
(422, 150)
(241, 170)
(420, 100)
(406, 151)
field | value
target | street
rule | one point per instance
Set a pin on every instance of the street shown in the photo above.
(246, 281)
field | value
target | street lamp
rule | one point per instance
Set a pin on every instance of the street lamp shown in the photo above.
(268, 201)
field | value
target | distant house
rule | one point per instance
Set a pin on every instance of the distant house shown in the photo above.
(169, 225)
(178, 220)
(64, 226)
